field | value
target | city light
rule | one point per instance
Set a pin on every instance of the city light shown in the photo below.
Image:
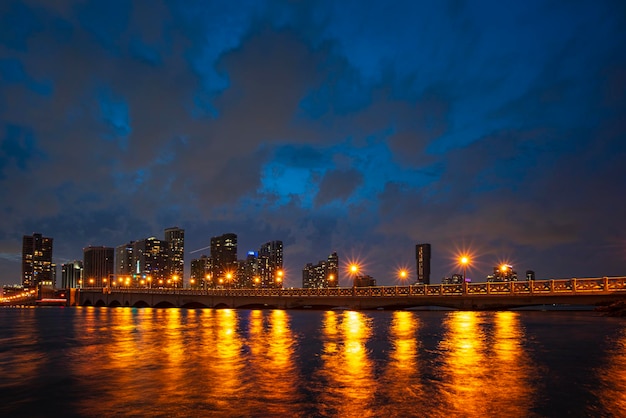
(464, 261)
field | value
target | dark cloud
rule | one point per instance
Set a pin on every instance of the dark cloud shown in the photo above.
(338, 185)
(334, 126)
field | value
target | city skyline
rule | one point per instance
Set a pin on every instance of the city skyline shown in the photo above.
(357, 127)
(224, 257)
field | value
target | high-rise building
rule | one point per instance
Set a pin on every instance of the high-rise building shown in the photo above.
(72, 274)
(248, 274)
(37, 267)
(270, 264)
(151, 264)
(201, 273)
(175, 237)
(422, 257)
(323, 274)
(224, 259)
(124, 260)
(98, 266)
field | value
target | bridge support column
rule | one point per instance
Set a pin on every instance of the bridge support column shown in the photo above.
(605, 281)
(488, 288)
(551, 286)
(574, 285)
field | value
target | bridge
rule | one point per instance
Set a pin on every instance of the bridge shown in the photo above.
(467, 296)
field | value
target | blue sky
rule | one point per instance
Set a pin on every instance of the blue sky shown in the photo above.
(362, 127)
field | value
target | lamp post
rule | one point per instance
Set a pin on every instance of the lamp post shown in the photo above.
(464, 262)
(354, 271)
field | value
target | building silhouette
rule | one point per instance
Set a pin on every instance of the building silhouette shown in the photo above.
(37, 267)
(98, 266)
(364, 281)
(175, 237)
(200, 277)
(71, 274)
(323, 274)
(422, 258)
(270, 264)
(124, 260)
(224, 263)
(151, 264)
(503, 273)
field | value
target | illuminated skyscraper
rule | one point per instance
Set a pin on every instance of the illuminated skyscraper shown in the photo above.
(201, 273)
(271, 264)
(150, 260)
(124, 260)
(323, 274)
(71, 274)
(98, 266)
(37, 267)
(175, 238)
(422, 256)
(224, 259)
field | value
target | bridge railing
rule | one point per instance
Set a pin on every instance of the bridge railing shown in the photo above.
(515, 288)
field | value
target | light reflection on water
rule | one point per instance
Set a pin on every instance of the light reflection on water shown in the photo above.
(275, 363)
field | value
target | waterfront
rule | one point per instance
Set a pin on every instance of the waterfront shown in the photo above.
(177, 362)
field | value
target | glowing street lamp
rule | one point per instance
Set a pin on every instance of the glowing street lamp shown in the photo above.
(403, 274)
(354, 271)
(464, 260)
(279, 277)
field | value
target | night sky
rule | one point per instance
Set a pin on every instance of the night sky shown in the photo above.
(362, 127)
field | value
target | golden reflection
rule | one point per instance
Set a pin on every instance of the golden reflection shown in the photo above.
(612, 390)
(401, 383)
(465, 365)
(346, 369)
(512, 369)
(486, 376)
(272, 363)
(226, 364)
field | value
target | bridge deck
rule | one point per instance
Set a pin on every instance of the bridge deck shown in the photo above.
(490, 295)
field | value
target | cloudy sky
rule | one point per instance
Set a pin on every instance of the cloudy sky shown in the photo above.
(362, 127)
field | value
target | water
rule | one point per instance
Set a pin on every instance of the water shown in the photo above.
(103, 362)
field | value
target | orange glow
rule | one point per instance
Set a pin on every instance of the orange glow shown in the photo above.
(331, 277)
(504, 267)
(354, 269)
(403, 274)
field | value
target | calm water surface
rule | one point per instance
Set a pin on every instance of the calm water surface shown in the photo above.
(103, 362)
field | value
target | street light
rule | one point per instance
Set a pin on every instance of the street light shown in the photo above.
(403, 274)
(464, 262)
(354, 270)
(279, 277)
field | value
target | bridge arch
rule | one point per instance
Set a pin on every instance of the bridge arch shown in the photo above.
(100, 303)
(222, 306)
(141, 304)
(115, 303)
(87, 302)
(194, 305)
(165, 304)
